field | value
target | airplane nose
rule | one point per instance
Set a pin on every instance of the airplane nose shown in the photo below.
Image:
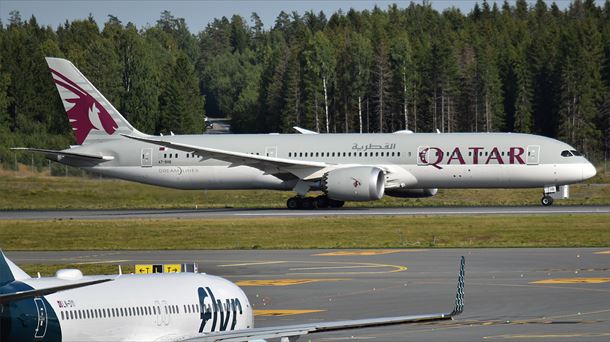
(588, 171)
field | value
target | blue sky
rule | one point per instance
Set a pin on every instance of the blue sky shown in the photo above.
(197, 13)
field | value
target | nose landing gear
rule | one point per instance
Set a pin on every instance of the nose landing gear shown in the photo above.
(546, 200)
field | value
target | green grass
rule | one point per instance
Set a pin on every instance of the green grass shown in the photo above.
(34, 191)
(48, 270)
(321, 232)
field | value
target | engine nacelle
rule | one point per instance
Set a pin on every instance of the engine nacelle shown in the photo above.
(411, 193)
(358, 183)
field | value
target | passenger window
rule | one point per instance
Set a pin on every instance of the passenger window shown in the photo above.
(398, 153)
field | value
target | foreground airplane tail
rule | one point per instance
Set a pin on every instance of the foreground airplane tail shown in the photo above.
(92, 117)
(9, 273)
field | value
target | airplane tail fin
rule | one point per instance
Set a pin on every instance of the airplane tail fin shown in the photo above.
(92, 117)
(10, 272)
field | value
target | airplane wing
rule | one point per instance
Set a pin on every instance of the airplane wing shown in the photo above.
(61, 154)
(10, 297)
(293, 332)
(306, 170)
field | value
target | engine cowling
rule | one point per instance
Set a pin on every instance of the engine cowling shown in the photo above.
(411, 193)
(358, 183)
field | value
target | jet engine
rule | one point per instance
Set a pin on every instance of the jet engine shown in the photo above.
(358, 183)
(411, 193)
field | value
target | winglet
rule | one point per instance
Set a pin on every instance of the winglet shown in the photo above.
(459, 296)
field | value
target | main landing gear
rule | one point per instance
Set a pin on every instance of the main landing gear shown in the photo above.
(318, 202)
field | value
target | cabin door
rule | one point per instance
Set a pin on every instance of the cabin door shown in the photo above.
(41, 309)
(271, 151)
(146, 157)
(533, 154)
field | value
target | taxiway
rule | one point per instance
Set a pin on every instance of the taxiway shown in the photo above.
(511, 294)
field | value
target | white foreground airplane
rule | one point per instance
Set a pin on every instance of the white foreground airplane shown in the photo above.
(345, 167)
(150, 307)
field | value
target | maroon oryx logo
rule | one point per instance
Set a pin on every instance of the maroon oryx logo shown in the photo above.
(356, 183)
(86, 112)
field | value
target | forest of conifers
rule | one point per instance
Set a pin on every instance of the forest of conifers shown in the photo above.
(516, 67)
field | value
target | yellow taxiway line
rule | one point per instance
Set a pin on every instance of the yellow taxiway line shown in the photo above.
(572, 281)
(283, 282)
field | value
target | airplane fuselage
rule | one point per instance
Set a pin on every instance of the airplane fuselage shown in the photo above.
(159, 307)
(456, 160)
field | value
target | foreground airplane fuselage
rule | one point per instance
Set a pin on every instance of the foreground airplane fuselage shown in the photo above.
(159, 307)
(345, 167)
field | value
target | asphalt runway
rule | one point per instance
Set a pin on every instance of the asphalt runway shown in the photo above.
(511, 294)
(237, 212)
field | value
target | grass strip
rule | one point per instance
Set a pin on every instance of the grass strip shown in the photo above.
(48, 270)
(303, 233)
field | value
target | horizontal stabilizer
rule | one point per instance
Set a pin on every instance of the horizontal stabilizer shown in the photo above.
(62, 154)
(10, 297)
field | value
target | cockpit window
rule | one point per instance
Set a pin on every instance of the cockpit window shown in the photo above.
(576, 153)
(566, 153)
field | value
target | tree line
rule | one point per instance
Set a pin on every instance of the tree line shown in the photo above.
(512, 68)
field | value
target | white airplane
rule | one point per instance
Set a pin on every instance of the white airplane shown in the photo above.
(150, 307)
(345, 167)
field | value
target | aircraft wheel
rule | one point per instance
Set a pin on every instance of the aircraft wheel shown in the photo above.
(335, 204)
(294, 203)
(321, 202)
(308, 203)
(546, 201)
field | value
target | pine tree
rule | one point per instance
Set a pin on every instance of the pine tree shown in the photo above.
(181, 105)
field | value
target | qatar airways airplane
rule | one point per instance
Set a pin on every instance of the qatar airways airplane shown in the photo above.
(150, 307)
(345, 167)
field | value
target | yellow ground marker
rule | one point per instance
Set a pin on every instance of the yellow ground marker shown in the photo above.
(572, 281)
(602, 252)
(278, 313)
(369, 252)
(283, 282)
